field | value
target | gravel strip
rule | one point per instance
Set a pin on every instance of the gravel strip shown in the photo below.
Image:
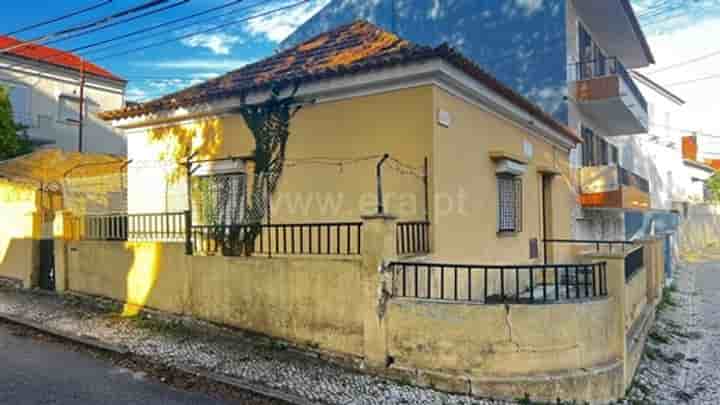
(192, 344)
(681, 363)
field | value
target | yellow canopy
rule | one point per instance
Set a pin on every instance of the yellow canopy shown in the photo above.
(51, 166)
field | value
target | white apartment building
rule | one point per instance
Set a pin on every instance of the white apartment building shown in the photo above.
(44, 86)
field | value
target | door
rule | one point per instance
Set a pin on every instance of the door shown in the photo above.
(547, 216)
(47, 264)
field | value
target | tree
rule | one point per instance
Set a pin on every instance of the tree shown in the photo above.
(11, 143)
(713, 185)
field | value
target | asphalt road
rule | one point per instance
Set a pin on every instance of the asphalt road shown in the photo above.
(37, 371)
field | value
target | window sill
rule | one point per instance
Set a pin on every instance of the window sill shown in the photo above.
(507, 234)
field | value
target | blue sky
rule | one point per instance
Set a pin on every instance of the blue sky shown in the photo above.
(158, 70)
(678, 30)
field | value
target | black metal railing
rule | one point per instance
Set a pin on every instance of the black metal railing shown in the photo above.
(169, 226)
(609, 67)
(610, 245)
(634, 262)
(413, 237)
(628, 178)
(499, 284)
(337, 238)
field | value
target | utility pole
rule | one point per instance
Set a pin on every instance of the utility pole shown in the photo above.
(82, 105)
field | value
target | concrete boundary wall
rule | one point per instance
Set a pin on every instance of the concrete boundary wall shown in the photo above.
(585, 350)
(308, 301)
(699, 227)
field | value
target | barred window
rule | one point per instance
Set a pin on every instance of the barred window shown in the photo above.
(509, 203)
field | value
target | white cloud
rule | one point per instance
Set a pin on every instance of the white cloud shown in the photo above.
(136, 94)
(278, 26)
(197, 64)
(530, 6)
(219, 44)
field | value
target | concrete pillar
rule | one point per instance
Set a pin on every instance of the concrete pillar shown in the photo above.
(651, 267)
(378, 247)
(618, 296)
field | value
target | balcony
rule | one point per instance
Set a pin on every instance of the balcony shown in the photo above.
(605, 91)
(613, 187)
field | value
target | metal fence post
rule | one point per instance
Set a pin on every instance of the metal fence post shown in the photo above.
(188, 233)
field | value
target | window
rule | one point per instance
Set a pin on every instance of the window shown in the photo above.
(70, 108)
(596, 151)
(20, 102)
(509, 203)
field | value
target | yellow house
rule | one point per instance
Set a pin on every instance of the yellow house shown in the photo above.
(486, 168)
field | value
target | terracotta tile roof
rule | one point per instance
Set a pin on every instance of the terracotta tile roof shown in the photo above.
(53, 56)
(353, 48)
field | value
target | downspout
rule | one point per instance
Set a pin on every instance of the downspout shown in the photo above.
(381, 208)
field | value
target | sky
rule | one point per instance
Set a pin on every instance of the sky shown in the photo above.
(161, 69)
(678, 31)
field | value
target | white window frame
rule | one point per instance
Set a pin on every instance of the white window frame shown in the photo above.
(71, 97)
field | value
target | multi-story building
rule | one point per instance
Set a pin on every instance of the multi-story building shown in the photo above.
(571, 57)
(45, 87)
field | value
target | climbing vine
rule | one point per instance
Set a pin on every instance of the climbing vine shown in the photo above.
(269, 124)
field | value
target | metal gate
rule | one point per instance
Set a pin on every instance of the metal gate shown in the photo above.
(47, 265)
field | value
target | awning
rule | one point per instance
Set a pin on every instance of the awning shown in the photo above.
(49, 167)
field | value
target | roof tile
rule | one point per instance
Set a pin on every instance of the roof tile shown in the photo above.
(54, 57)
(357, 47)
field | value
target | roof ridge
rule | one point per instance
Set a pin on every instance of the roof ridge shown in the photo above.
(41, 53)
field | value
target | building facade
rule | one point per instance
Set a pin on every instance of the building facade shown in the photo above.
(45, 86)
(571, 57)
(424, 115)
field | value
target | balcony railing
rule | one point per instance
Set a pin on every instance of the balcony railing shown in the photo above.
(606, 178)
(413, 237)
(608, 67)
(634, 262)
(321, 238)
(494, 284)
(168, 226)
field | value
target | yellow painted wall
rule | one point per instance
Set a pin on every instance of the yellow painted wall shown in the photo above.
(636, 291)
(495, 341)
(357, 131)
(464, 174)
(310, 301)
(20, 226)
(463, 189)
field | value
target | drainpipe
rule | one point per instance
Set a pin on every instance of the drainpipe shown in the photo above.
(381, 209)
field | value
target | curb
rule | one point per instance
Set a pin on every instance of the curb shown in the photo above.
(122, 350)
(88, 341)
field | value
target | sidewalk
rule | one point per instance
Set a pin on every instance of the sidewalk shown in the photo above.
(201, 347)
(681, 363)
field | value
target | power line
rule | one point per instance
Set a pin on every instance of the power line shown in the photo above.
(64, 17)
(137, 17)
(218, 27)
(85, 26)
(165, 24)
(145, 30)
(687, 62)
(701, 79)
